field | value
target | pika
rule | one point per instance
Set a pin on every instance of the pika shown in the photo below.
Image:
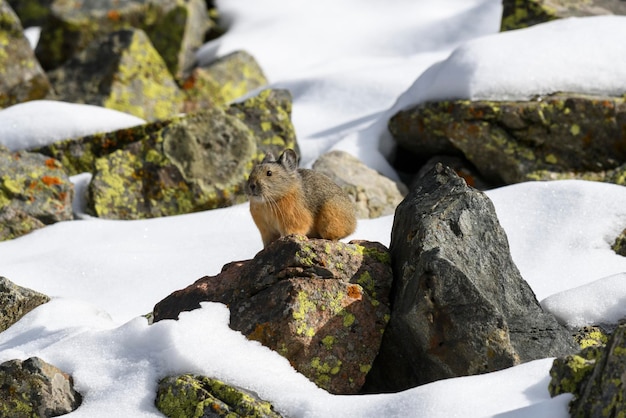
(285, 199)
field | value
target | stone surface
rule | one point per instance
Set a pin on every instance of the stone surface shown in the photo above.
(78, 155)
(268, 115)
(22, 78)
(510, 142)
(518, 14)
(373, 194)
(459, 304)
(197, 162)
(34, 191)
(31, 12)
(596, 377)
(120, 71)
(176, 28)
(321, 304)
(199, 396)
(16, 301)
(34, 388)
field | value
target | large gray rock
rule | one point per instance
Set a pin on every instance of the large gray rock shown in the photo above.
(321, 304)
(562, 135)
(459, 305)
(33, 388)
(22, 77)
(122, 71)
(17, 301)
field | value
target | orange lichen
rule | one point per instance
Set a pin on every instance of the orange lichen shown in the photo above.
(113, 15)
(51, 181)
(354, 292)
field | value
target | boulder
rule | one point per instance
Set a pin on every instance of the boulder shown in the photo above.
(34, 388)
(373, 194)
(321, 304)
(120, 71)
(268, 115)
(223, 80)
(78, 155)
(31, 12)
(176, 28)
(16, 301)
(22, 79)
(34, 191)
(518, 14)
(196, 163)
(510, 141)
(596, 376)
(200, 396)
(459, 306)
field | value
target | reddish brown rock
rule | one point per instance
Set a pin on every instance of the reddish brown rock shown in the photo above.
(321, 304)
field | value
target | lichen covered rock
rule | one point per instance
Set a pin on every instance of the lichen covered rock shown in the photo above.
(518, 14)
(268, 115)
(22, 77)
(176, 28)
(33, 388)
(31, 12)
(321, 304)
(34, 191)
(619, 246)
(510, 142)
(16, 301)
(120, 71)
(195, 163)
(192, 396)
(373, 194)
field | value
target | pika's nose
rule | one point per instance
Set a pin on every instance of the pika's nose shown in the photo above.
(251, 187)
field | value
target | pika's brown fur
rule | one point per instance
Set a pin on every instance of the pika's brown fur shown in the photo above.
(285, 199)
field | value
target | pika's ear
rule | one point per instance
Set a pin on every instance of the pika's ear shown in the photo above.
(269, 158)
(289, 160)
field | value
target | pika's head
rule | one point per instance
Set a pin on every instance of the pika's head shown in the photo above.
(272, 179)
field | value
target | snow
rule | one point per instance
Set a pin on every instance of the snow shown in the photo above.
(349, 67)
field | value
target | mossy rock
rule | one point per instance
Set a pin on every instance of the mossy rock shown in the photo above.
(34, 191)
(517, 14)
(120, 71)
(175, 27)
(268, 115)
(515, 141)
(198, 162)
(192, 396)
(80, 154)
(31, 12)
(22, 78)
(619, 246)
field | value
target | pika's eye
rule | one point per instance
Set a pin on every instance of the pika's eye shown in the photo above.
(269, 173)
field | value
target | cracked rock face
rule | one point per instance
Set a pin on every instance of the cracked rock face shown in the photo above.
(459, 304)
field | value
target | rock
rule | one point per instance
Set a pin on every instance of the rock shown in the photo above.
(31, 12)
(22, 78)
(459, 306)
(34, 388)
(596, 376)
(223, 80)
(461, 167)
(510, 142)
(176, 28)
(120, 71)
(199, 396)
(518, 14)
(321, 304)
(374, 195)
(268, 115)
(78, 155)
(16, 301)
(195, 163)
(34, 191)
(237, 73)
(619, 246)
